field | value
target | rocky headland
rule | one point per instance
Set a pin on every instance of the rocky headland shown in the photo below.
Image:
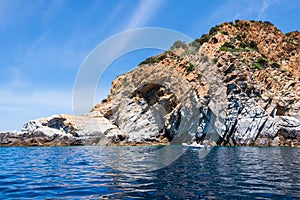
(239, 84)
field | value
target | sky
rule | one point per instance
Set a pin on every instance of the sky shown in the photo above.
(43, 43)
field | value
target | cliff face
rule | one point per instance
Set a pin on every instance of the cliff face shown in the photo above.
(237, 85)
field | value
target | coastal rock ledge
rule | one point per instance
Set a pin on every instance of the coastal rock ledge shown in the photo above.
(238, 85)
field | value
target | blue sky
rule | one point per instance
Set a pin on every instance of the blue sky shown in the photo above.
(43, 43)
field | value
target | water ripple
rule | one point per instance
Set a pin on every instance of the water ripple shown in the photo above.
(89, 173)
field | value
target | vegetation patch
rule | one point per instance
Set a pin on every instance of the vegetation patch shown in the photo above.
(227, 46)
(205, 37)
(244, 46)
(268, 23)
(241, 24)
(126, 83)
(241, 36)
(261, 63)
(213, 30)
(224, 32)
(155, 59)
(199, 41)
(275, 65)
(189, 51)
(189, 68)
(249, 46)
(199, 76)
(204, 58)
(179, 44)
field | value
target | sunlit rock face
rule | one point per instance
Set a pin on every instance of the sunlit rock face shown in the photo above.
(64, 130)
(237, 85)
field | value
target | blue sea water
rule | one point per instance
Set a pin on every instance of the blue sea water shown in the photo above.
(93, 172)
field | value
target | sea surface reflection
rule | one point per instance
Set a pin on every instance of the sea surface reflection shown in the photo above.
(91, 172)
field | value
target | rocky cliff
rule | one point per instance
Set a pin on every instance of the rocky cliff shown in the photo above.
(237, 85)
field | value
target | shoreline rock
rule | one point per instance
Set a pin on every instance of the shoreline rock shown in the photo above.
(238, 85)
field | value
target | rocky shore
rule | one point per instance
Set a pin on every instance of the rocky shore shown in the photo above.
(237, 85)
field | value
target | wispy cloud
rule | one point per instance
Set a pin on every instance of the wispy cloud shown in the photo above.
(245, 9)
(144, 11)
(112, 16)
(264, 7)
(39, 40)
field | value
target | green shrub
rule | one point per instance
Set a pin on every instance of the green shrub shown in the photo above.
(246, 25)
(227, 46)
(189, 51)
(213, 30)
(204, 58)
(178, 44)
(225, 49)
(199, 76)
(195, 44)
(199, 41)
(261, 63)
(249, 46)
(224, 32)
(275, 65)
(240, 36)
(264, 56)
(189, 68)
(253, 45)
(206, 37)
(257, 66)
(243, 45)
(154, 59)
(268, 23)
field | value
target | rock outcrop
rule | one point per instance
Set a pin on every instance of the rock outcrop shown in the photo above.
(64, 130)
(237, 85)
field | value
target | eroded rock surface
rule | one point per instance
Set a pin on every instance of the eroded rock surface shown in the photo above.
(65, 130)
(237, 85)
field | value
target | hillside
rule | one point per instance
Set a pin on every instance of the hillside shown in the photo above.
(239, 84)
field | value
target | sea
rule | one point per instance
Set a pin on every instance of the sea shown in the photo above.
(177, 172)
